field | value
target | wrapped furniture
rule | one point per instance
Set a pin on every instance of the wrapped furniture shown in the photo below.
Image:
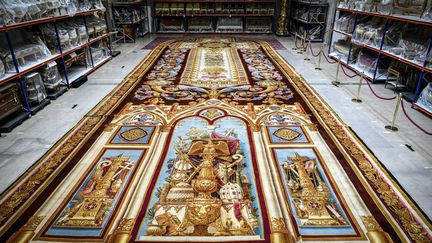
(34, 88)
(29, 49)
(171, 24)
(229, 25)
(370, 32)
(409, 7)
(96, 26)
(9, 100)
(200, 24)
(99, 52)
(366, 61)
(258, 24)
(425, 99)
(51, 77)
(2, 69)
(345, 23)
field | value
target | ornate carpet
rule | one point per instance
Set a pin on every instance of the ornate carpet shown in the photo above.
(210, 140)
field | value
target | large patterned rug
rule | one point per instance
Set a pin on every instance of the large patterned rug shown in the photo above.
(210, 140)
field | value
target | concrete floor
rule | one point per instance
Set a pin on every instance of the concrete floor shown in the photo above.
(412, 169)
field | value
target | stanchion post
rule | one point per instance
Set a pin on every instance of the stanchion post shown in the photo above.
(357, 99)
(392, 126)
(307, 51)
(304, 41)
(336, 82)
(319, 58)
(295, 43)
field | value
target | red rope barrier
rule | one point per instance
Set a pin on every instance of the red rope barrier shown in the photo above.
(412, 121)
(319, 53)
(346, 74)
(379, 97)
(326, 58)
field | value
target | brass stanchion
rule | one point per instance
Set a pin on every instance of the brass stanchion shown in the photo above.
(392, 127)
(336, 82)
(302, 49)
(308, 47)
(304, 41)
(357, 99)
(295, 43)
(319, 58)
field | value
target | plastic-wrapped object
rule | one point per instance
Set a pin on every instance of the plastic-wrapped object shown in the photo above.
(200, 24)
(427, 14)
(81, 30)
(33, 10)
(34, 87)
(99, 52)
(229, 25)
(171, 24)
(366, 62)
(84, 5)
(369, 33)
(6, 15)
(425, 98)
(96, 25)
(97, 4)
(69, 7)
(16, 8)
(413, 49)
(341, 46)
(51, 77)
(29, 49)
(49, 37)
(345, 23)
(409, 7)
(2, 69)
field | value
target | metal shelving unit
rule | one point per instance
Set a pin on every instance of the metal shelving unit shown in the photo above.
(130, 19)
(60, 55)
(183, 15)
(313, 24)
(383, 56)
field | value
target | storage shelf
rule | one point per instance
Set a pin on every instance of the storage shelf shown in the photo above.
(414, 20)
(214, 1)
(302, 12)
(312, 3)
(212, 32)
(127, 4)
(7, 77)
(45, 20)
(367, 46)
(302, 38)
(358, 70)
(306, 22)
(342, 33)
(49, 59)
(406, 61)
(421, 108)
(214, 15)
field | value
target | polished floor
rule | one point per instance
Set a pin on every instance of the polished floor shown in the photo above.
(412, 168)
